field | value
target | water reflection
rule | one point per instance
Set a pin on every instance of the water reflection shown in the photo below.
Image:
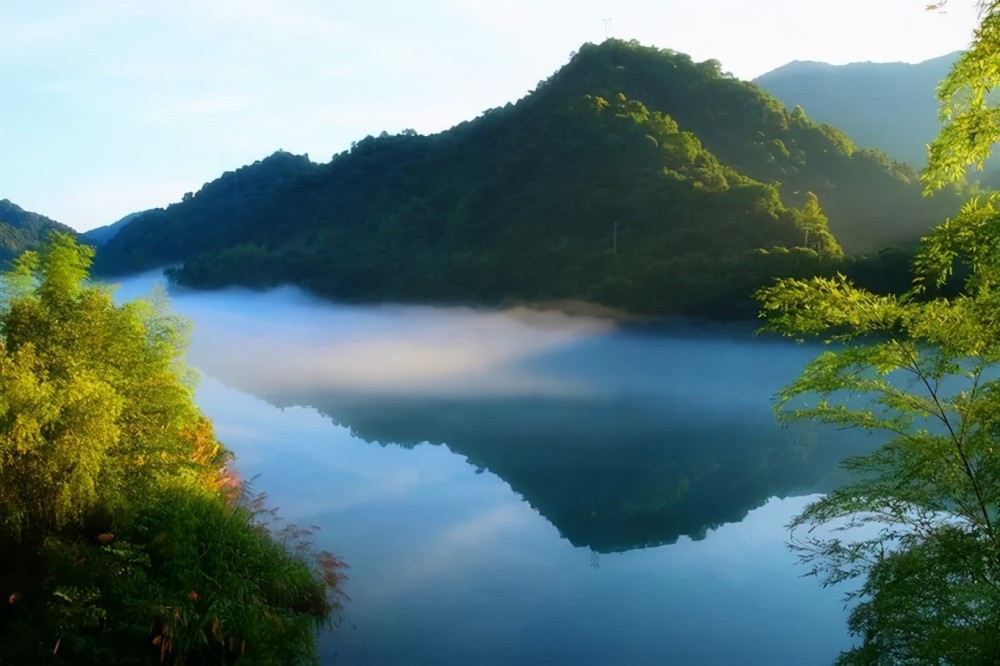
(612, 472)
(451, 568)
(617, 439)
(621, 437)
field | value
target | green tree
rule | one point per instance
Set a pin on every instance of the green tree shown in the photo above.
(969, 114)
(917, 530)
(125, 536)
(811, 220)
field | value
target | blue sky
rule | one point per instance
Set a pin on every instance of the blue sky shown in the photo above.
(113, 106)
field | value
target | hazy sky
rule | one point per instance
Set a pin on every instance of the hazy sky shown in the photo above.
(113, 106)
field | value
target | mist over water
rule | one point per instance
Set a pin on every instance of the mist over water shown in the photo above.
(527, 487)
(286, 341)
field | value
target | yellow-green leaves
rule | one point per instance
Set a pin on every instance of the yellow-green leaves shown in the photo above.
(54, 435)
(922, 369)
(971, 120)
(833, 306)
(63, 267)
(970, 240)
(92, 409)
(814, 224)
(110, 475)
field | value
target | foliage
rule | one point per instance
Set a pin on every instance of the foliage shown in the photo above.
(918, 526)
(124, 534)
(814, 223)
(924, 371)
(632, 177)
(970, 117)
(21, 230)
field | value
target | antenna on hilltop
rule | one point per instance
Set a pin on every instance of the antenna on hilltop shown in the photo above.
(606, 22)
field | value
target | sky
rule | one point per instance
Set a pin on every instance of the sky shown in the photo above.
(108, 107)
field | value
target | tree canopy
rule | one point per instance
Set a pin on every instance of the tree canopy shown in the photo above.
(125, 534)
(969, 113)
(21, 230)
(917, 530)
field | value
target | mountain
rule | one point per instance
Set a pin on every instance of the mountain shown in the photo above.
(632, 177)
(220, 214)
(102, 235)
(889, 106)
(22, 230)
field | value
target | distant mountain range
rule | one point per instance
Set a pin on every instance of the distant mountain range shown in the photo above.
(888, 106)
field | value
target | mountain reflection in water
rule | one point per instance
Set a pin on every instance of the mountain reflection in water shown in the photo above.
(621, 437)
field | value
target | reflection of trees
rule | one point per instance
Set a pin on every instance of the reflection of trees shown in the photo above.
(611, 473)
(622, 440)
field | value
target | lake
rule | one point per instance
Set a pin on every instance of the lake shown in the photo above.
(524, 487)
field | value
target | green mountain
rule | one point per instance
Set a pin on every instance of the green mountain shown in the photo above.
(22, 230)
(889, 106)
(633, 177)
(220, 214)
(102, 235)
(636, 481)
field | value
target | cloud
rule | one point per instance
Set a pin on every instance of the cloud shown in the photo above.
(461, 548)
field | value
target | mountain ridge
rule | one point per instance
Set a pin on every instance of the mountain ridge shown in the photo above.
(889, 106)
(22, 230)
(632, 177)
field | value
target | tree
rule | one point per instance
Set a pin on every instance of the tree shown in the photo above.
(125, 537)
(968, 111)
(918, 527)
(811, 220)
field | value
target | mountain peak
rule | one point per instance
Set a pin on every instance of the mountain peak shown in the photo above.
(888, 106)
(632, 177)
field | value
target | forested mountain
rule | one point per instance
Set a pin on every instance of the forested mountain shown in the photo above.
(636, 481)
(889, 106)
(21, 230)
(632, 177)
(102, 235)
(222, 213)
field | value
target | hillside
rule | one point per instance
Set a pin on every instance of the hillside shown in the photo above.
(631, 486)
(22, 230)
(223, 212)
(633, 177)
(102, 235)
(889, 106)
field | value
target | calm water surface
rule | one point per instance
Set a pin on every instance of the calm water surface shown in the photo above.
(524, 488)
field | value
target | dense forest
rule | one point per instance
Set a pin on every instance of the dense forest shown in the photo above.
(633, 177)
(21, 230)
(126, 536)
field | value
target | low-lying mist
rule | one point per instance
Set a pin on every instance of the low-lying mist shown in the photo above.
(286, 341)
(620, 435)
